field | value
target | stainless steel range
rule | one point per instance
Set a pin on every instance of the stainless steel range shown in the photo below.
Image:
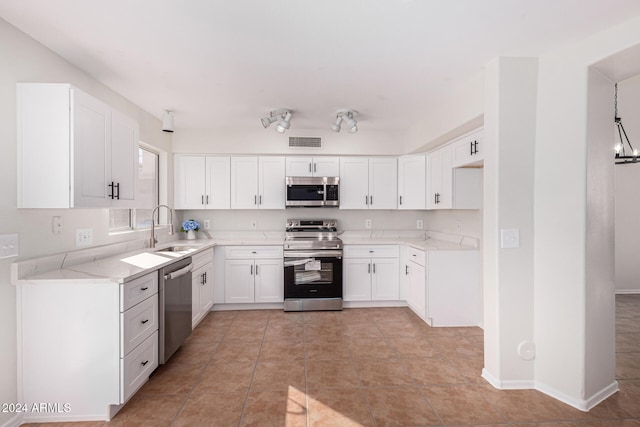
(312, 265)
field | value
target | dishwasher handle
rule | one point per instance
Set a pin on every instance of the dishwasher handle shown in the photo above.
(178, 273)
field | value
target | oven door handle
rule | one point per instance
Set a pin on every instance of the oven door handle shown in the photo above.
(314, 254)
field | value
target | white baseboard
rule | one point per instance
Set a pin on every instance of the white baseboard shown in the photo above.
(371, 304)
(14, 421)
(507, 384)
(582, 404)
(627, 291)
(248, 306)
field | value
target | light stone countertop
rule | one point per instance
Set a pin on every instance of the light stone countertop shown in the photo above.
(126, 261)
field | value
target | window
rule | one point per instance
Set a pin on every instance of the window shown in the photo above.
(147, 192)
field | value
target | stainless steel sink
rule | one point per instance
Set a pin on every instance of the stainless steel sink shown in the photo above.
(178, 249)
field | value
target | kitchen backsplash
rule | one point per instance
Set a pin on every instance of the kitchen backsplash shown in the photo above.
(467, 223)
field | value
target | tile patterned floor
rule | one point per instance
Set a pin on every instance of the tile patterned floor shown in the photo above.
(359, 367)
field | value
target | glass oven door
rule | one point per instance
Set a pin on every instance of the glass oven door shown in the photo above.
(313, 274)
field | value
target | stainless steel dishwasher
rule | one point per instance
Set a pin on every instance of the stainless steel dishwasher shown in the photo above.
(175, 307)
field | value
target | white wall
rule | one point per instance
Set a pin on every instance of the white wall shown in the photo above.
(25, 60)
(275, 220)
(510, 117)
(564, 328)
(268, 141)
(460, 113)
(627, 197)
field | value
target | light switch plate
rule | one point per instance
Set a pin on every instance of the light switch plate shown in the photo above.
(9, 245)
(510, 238)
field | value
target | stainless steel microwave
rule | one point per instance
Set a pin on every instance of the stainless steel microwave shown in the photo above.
(313, 191)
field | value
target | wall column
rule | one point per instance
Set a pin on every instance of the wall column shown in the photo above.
(509, 136)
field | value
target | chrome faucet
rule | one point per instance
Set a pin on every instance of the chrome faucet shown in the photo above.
(153, 240)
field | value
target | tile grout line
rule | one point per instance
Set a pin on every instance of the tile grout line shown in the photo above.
(253, 374)
(203, 370)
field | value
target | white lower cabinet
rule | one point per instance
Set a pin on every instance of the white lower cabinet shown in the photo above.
(371, 273)
(89, 344)
(201, 286)
(416, 282)
(253, 274)
(443, 286)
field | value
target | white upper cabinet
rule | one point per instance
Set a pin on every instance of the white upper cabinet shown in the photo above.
(412, 182)
(257, 182)
(449, 187)
(313, 166)
(439, 179)
(124, 159)
(202, 182)
(468, 150)
(73, 150)
(368, 183)
(271, 183)
(354, 183)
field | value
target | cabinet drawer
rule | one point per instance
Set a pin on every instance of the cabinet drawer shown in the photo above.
(202, 258)
(417, 256)
(137, 290)
(244, 252)
(137, 366)
(371, 251)
(137, 324)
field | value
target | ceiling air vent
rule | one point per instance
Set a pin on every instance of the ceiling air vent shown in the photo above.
(302, 141)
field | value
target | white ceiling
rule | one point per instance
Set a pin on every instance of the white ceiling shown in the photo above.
(221, 63)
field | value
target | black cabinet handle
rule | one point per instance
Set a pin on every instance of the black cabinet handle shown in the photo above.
(406, 270)
(144, 321)
(111, 185)
(144, 363)
(369, 268)
(256, 270)
(261, 199)
(314, 167)
(371, 200)
(251, 270)
(400, 199)
(144, 289)
(471, 148)
(366, 200)
(202, 199)
(207, 199)
(374, 269)
(118, 188)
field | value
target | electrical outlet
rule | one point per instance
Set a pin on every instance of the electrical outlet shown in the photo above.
(367, 223)
(254, 224)
(419, 224)
(207, 224)
(84, 236)
(56, 225)
(9, 245)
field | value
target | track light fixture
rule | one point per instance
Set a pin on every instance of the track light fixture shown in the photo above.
(167, 121)
(346, 116)
(282, 116)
